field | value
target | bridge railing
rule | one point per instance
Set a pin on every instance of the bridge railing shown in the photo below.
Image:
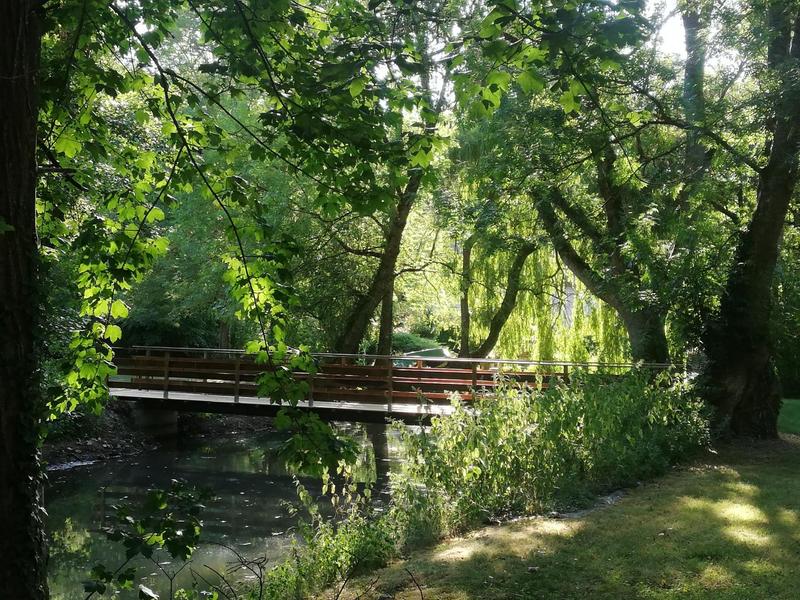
(339, 377)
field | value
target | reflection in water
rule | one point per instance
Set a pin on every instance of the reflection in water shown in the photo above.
(250, 488)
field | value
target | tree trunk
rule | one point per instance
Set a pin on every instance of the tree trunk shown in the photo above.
(466, 281)
(357, 322)
(507, 305)
(645, 328)
(224, 338)
(387, 322)
(23, 572)
(644, 325)
(740, 379)
(694, 106)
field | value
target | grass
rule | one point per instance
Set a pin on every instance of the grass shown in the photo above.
(728, 527)
(789, 419)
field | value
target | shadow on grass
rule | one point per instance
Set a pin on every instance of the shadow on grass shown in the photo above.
(729, 529)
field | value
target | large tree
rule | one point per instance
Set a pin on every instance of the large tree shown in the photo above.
(741, 382)
(314, 93)
(23, 569)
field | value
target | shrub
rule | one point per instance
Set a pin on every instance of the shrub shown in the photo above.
(522, 451)
(353, 540)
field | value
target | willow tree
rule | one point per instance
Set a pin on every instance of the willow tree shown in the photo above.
(736, 130)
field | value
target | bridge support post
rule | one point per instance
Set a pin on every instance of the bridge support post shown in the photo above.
(237, 382)
(377, 435)
(390, 386)
(159, 423)
(166, 375)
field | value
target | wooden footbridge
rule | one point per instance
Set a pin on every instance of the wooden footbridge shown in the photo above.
(345, 387)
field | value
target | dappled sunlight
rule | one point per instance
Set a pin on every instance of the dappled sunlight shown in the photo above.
(740, 488)
(761, 567)
(748, 536)
(738, 512)
(514, 539)
(707, 533)
(741, 521)
(729, 510)
(715, 576)
(788, 518)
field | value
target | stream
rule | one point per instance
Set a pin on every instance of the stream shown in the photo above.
(249, 487)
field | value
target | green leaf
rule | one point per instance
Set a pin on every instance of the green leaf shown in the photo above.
(119, 310)
(145, 160)
(500, 79)
(67, 146)
(113, 333)
(168, 128)
(569, 102)
(357, 86)
(531, 81)
(155, 214)
(488, 26)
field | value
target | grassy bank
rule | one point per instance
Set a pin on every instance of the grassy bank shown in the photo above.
(726, 527)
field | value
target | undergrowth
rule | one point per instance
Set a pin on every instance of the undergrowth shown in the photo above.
(521, 451)
(516, 451)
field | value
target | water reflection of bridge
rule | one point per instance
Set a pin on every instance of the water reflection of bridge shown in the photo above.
(367, 388)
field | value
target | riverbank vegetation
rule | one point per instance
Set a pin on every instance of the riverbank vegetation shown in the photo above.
(520, 452)
(584, 181)
(724, 526)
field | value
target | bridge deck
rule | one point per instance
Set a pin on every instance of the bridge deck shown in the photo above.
(327, 410)
(343, 386)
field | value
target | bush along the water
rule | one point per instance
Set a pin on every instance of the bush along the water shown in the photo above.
(353, 539)
(522, 451)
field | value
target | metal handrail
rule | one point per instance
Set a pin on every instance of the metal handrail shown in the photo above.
(423, 359)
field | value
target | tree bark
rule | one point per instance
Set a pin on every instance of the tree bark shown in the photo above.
(466, 281)
(645, 329)
(23, 572)
(740, 379)
(694, 105)
(644, 324)
(357, 322)
(387, 322)
(507, 305)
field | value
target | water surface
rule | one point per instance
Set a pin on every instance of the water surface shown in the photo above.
(250, 489)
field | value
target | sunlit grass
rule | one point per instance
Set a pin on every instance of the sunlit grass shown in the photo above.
(728, 528)
(789, 419)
